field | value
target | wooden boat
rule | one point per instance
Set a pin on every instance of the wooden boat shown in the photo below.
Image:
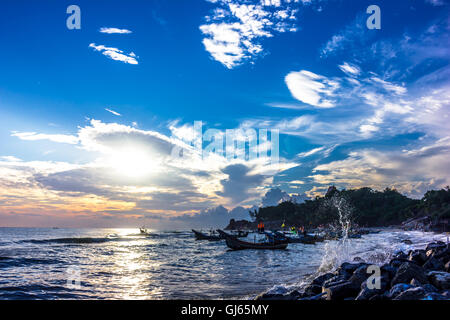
(203, 236)
(236, 244)
(238, 234)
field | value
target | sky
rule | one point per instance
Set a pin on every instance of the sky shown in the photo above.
(120, 114)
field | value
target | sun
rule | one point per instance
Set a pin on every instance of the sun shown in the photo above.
(132, 162)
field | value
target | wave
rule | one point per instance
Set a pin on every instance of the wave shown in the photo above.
(6, 262)
(70, 240)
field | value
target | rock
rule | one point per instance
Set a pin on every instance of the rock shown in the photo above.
(415, 283)
(320, 296)
(397, 289)
(322, 278)
(366, 293)
(407, 271)
(407, 241)
(400, 255)
(411, 294)
(418, 256)
(440, 279)
(434, 296)
(312, 290)
(434, 264)
(442, 254)
(342, 291)
(388, 270)
(396, 262)
(334, 281)
(348, 268)
(377, 297)
(429, 288)
(358, 259)
(359, 276)
(436, 245)
(276, 293)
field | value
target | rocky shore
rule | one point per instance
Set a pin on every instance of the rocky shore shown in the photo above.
(422, 274)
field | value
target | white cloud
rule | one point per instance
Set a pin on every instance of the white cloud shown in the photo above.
(114, 30)
(350, 69)
(311, 88)
(234, 31)
(310, 153)
(113, 112)
(412, 172)
(115, 54)
(33, 136)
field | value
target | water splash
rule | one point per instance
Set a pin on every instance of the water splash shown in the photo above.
(337, 252)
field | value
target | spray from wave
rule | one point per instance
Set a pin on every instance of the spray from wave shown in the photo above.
(337, 252)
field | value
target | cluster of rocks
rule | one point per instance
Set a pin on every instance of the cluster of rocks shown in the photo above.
(416, 275)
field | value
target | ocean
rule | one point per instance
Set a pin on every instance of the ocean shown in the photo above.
(39, 263)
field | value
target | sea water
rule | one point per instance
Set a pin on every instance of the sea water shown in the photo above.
(38, 263)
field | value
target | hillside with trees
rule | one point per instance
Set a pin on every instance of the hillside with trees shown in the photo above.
(365, 206)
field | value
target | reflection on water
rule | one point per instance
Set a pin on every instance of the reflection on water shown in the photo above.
(122, 264)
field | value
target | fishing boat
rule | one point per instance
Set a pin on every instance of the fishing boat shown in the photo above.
(300, 238)
(236, 244)
(238, 233)
(212, 236)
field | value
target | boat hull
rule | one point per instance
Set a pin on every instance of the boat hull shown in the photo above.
(236, 244)
(201, 236)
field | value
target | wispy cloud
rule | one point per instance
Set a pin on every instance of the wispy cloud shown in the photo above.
(114, 30)
(33, 136)
(234, 30)
(115, 54)
(311, 88)
(113, 112)
(350, 69)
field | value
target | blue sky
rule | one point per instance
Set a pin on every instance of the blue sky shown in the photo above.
(88, 117)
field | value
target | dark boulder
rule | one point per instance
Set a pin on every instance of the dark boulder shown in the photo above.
(320, 296)
(342, 291)
(322, 278)
(396, 262)
(359, 276)
(334, 281)
(397, 289)
(434, 264)
(418, 256)
(388, 270)
(440, 279)
(408, 271)
(434, 296)
(400, 255)
(415, 283)
(429, 288)
(436, 245)
(416, 293)
(348, 268)
(312, 290)
(366, 293)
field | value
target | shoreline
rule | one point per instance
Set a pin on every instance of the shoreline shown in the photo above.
(419, 274)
